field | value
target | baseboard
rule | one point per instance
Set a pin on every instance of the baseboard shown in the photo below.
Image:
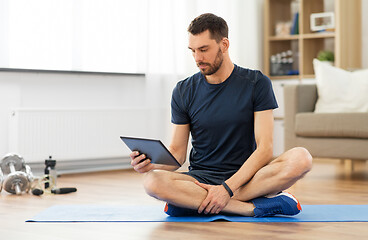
(83, 166)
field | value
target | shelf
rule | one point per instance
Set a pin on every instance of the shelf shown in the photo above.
(318, 35)
(308, 76)
(284, 77)
(303, 36)
(282, 38)
(294, 77)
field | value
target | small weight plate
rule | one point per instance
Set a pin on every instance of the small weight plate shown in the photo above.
(17, 178)
(17, 161)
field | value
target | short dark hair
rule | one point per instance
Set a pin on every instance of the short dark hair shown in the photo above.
(216, 25)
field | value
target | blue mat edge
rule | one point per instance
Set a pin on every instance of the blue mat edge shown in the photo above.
(220, 217)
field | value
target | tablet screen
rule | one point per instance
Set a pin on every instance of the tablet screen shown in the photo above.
(152, 148)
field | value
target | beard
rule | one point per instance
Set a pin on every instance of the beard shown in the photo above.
(212, 68)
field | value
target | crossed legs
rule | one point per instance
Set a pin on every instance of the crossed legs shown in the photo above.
(180, 190)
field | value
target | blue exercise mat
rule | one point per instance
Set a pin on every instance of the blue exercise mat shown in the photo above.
(155, 213)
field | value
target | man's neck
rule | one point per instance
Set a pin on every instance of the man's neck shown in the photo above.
(222, 74)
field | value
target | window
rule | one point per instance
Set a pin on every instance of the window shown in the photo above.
(81, 35)
(124, 36)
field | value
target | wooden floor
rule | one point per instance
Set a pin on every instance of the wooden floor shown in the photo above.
(330, 182)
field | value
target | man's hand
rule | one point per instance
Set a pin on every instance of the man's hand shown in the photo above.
(140, 163)
(216, 199)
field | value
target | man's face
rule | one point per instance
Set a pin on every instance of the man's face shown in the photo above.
(206, 52)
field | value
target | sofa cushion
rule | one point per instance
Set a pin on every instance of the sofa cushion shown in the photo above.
(340, 90)
(345, 125)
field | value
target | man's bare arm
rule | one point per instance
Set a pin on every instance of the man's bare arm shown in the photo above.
(263, 130)
(179, 142)
(177, 147)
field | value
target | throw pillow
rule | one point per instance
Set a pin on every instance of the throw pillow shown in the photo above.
(340, 90)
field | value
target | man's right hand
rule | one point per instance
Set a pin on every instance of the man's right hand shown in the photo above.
(139, 165)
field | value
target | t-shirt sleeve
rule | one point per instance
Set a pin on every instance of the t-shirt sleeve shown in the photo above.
(263, 95)
(179, 114)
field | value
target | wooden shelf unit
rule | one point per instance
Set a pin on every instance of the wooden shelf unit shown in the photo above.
(345, 40)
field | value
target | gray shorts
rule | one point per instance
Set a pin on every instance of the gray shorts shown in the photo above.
(210, 177)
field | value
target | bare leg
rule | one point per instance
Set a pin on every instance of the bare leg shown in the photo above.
(278, 175)
(180, 190)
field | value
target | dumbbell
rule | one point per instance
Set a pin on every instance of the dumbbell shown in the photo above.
(17, 180)
(1, 180)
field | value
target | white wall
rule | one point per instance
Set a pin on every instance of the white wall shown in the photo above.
(64, 91)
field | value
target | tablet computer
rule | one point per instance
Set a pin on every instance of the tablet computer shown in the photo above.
(152, 148)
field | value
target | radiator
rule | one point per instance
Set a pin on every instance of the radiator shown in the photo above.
(83, 134)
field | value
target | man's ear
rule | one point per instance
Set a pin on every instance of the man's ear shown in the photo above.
(225, 45)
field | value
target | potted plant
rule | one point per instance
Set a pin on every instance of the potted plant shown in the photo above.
(326, 56)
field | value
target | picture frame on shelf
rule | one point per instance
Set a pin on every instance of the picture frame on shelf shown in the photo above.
(282, 29)
(322, 21)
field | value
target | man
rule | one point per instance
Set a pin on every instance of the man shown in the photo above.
(228, 111)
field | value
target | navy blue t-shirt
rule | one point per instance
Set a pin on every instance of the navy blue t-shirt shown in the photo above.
(221, 117)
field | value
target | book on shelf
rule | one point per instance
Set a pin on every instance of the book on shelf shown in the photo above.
(295, 24)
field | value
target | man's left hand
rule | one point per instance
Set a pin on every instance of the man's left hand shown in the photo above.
(217, 198)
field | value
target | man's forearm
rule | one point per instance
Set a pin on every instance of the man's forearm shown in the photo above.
(179, 154)
(165, 167)
(256, 161)
(179, 157)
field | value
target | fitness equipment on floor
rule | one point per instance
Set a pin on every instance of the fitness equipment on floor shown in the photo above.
(20, 179)
(19, 175)
(1, 180)
(47, 182)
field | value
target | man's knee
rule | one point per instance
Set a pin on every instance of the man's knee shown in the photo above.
(298, 162)
(154, 183)
(304, 158)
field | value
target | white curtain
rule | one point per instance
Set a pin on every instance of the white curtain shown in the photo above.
(168, 39)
